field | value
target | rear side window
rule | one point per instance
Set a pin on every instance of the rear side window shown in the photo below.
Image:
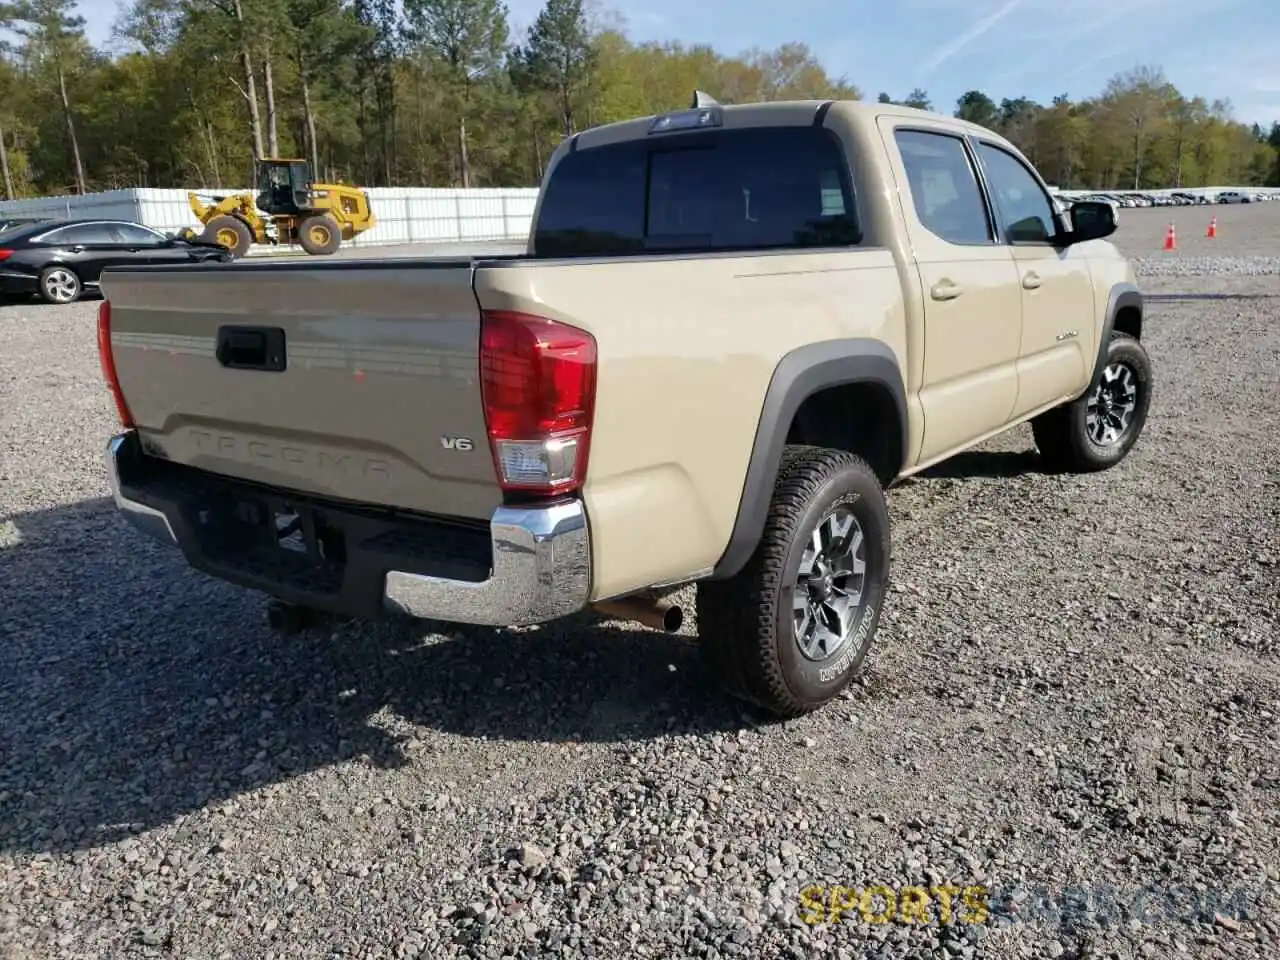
(752, 189)
(944, 187)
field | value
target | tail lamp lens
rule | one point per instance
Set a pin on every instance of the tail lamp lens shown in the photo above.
(538, 382)
(107, 359)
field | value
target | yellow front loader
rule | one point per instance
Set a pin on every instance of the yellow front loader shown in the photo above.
(289, 208)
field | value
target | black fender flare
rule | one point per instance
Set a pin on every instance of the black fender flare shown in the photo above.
(1122, 296)
(798, 375)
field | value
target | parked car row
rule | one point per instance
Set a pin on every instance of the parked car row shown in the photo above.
(1176, 198)
(57, 260)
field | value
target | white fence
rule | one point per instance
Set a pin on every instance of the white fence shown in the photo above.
(404, 214)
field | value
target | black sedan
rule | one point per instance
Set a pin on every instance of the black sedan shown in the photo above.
(59, 259)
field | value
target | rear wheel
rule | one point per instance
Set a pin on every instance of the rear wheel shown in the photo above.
(60, 284)
(319, 235)
(230, 232)
(794, 626)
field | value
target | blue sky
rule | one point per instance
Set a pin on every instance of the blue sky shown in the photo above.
(1034, 48)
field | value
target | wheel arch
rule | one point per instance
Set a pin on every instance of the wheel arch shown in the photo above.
(1124, 314)
(807, 385)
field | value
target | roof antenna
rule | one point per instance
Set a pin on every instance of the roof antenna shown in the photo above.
(701, 99)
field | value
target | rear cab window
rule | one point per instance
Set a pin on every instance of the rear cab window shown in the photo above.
(754, 188)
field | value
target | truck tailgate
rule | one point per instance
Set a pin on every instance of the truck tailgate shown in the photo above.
(377, 399)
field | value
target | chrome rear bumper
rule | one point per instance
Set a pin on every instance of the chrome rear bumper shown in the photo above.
(540, 571)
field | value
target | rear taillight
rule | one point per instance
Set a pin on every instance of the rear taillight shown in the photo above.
(108, 361)
(538, 382)
(5, 255)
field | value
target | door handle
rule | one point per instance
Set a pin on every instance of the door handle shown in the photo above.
(1030, 280)
(251, 348)
(945, 290)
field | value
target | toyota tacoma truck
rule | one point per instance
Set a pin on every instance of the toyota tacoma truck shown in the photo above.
(733, 328)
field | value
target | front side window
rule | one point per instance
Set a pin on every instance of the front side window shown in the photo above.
(1024, 208)
(136, 234)
(750, 189)
(944, 188)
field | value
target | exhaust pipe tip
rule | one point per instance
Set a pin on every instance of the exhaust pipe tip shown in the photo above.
(657, 614)
(672, 618)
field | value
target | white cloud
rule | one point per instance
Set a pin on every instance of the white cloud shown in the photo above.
(1077, 40)
(952, 47)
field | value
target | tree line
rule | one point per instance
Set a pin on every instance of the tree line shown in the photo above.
(445, 93)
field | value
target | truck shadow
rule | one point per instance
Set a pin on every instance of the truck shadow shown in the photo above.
(134, 690)
(985, 464)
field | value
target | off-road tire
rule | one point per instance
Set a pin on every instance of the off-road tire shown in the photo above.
(319, 235)
(745, 623)
(227, 225)
(59, 285)
(1063, 434)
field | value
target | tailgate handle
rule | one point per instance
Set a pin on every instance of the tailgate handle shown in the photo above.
(251, 348)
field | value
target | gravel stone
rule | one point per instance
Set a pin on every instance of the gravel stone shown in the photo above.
(1074, 698)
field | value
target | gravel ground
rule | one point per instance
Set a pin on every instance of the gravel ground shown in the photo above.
(1073, 707)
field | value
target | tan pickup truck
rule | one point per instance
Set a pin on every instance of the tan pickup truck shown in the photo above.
(734, 326)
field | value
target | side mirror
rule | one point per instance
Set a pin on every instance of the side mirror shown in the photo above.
(1090, 220)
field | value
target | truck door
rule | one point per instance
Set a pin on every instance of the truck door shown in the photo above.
(1056, 288)
(972, 300)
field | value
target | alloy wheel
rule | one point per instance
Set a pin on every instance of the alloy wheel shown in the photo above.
(829, 585)
(60, 285)
(1109, 413)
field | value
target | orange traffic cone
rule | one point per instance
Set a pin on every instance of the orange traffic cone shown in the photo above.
(1213, 228)
(1170, 238)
